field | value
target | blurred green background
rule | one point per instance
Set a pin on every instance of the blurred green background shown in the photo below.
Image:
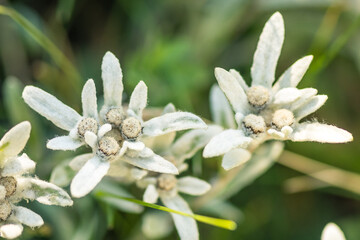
(174, 46)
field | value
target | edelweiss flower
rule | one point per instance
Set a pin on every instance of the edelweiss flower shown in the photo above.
(16, 184)
(115, 135)
(167, 186)
(264, 111)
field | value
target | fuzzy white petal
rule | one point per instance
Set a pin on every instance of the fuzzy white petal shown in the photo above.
(45, 193)
(226, 141)
(136, 146)
(14, 141)
(317, 132)
(235, 158)
(131, 146)
(169, 108)
(91, 139)
(268, 51)
(186, 226)
(89, 176)
(152, 162)
(306, 95)
(138, 99)
(150, 195)
(18, 166)
(276, 134)
(233, 90)
(310, 107)
(287, 95)
(105, 128)
(11, 231)
(239, 78)
(189, 143)
(172, 122)
(64, 143)
(79, 161)
(332, 232)
(221, 111)
(293, 75)
(51, 108)
(27, 217)
(112, 80)
(137, 173)
(192, 186)
(88, 99)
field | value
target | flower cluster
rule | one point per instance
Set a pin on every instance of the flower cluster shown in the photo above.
(129, 147)
(167, 186)
(264, 110)
(16, 184)
(115, 134)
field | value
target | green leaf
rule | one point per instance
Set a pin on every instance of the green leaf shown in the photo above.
(56, 54)
(222, 223)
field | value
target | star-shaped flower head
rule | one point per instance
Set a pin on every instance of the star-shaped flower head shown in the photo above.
(167, 187)
(115, 135)
(265, 111)
(17, 184)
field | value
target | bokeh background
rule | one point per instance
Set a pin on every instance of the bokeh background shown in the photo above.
(174, 46)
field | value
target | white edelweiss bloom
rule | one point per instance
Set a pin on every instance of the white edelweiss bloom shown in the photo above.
(332, 232)
(65, 117)
(265, 111)
(16, 184)
(166, 187)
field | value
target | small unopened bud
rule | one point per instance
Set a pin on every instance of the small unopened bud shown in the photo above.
(9, 184)
(282, 118)
(108, 146)
(254, 124)
(5, 210)
(115, 116)
(87, 124)
(131, 128)
(166, 182)
(258, 96)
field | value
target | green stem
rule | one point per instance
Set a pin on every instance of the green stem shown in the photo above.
(56, 54)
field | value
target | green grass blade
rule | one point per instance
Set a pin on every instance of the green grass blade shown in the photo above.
(222, 223)
(58, 57)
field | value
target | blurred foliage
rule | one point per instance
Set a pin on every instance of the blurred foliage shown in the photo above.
(174, 46)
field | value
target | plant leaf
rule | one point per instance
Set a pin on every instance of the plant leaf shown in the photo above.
(222, 223)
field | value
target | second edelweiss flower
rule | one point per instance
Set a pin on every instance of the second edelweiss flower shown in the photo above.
(265, 111)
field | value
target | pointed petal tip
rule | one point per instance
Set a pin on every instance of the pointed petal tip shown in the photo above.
(109, 54)
(277, 16)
